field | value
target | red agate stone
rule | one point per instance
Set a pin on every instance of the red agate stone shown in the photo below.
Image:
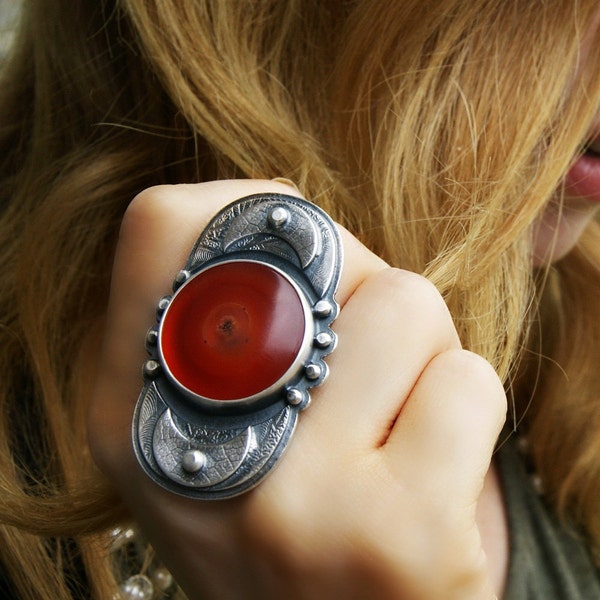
(233, 330)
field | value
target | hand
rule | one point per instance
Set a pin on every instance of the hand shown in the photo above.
(376, 495)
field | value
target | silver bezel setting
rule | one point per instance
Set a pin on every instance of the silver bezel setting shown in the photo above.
(293, 373)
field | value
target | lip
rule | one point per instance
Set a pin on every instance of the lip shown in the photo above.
(583, 178)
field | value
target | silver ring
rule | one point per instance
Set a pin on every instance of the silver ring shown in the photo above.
(237, 346)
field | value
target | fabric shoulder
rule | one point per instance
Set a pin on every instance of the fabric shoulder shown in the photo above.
(547, 560)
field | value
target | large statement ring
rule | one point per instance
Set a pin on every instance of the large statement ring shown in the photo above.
(237, 347)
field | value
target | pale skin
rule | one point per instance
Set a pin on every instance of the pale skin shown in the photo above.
(560, 227)
(388, 489)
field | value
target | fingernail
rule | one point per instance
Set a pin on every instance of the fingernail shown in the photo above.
(286, 181)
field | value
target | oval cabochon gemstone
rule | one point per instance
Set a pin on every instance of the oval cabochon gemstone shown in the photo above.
(232, 330)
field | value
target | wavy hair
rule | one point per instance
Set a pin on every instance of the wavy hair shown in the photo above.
(436, 131)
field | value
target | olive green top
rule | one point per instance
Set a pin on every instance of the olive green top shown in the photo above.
(548, 562)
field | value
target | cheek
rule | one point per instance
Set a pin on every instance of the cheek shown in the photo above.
(559, 229)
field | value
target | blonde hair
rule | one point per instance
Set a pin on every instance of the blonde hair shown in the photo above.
(436, 131)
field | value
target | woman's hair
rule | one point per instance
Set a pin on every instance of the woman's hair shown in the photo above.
(437, 131)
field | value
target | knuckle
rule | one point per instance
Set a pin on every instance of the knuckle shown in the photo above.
(414, 299)
(412, 289)
(479, 370)
(480, 374)
(146, 208)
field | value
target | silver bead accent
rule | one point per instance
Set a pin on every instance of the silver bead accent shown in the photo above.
(323, 339)
(322, 309)
(152, 337)
(193, 461)
(137, 587)
(313, 371)
(162, 305)
(152, 369)
(278, 217)
(294, 396)
(180, 278)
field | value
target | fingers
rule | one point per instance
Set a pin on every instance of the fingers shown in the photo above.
(387, 332)
(451, 421)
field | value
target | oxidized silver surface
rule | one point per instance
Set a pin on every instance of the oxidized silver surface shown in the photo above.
(208, 449)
